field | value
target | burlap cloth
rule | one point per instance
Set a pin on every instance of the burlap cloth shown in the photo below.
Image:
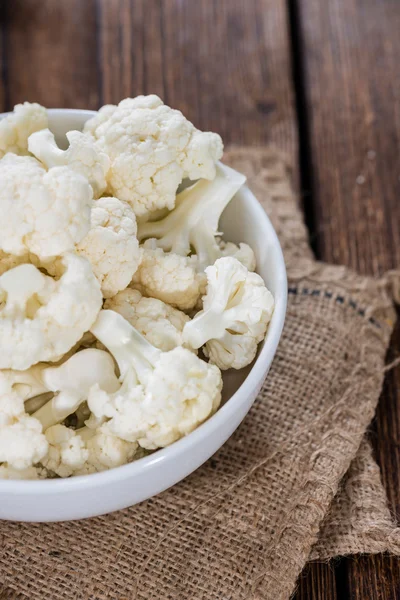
(246, 522)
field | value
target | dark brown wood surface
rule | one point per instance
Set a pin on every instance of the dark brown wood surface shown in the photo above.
(256, 71)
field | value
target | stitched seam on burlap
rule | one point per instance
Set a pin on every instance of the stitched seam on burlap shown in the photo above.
(338, 298)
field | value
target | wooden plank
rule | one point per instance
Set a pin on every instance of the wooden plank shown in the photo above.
(351, 50)
(49, 52)
(318, 582)
(3, 62)
(374, 577)
(224, 63)
(386, 434)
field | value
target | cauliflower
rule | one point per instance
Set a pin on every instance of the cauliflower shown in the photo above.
(67, 452)
(84, 451)
(236, 312)
(111, 245)
(152, 149)
(169, 277)
(161, 324)
(105, 450)
(82, 156)
(193, 225)
(47, 212)
(21, 440)
(16, 128)
(71, 382)
(164, 395)
(243, 253)
(86, 387)
(22, 443)
(40, 318)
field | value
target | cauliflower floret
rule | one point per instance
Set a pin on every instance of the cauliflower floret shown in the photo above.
(161, 324)
(22, 442)
(40, 318)
(105, 450)
(243, 253)
(193, 225)
(152, 149)
(85, 451)
(169, 277)
(111, 245)
(67, 452)
(82, 156)
(164, 395)
(16, 128)
(47, 213)
(236, 312)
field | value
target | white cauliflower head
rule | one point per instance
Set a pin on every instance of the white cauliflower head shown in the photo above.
(169, 277)
(161, 324)
(84, 451)
(47, 212)
(41, 318)
(236, 312)
(82, 156)
(105, 450)
(164, 395)
(243, 253)
(152, 149)
(16, 128)
(22, 443)
(111, 245)
(67, 452)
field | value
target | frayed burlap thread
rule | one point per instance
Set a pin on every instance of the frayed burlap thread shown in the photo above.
(244, 524)
(358, 520)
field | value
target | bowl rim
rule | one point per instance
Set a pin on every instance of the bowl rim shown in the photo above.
(253, 379)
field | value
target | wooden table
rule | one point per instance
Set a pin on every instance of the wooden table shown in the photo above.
(319, 78)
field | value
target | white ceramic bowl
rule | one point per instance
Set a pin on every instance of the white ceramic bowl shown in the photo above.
(244, 220)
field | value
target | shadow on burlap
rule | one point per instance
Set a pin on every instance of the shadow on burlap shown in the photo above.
(245, 523)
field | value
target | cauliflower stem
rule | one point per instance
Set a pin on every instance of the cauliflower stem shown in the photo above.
(193, 225)
(164, 395)
(127, 345)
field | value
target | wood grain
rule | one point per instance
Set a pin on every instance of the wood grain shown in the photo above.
(224, 63)
(48, 53)
(318, 582)
(374, 577)
(351, 50)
